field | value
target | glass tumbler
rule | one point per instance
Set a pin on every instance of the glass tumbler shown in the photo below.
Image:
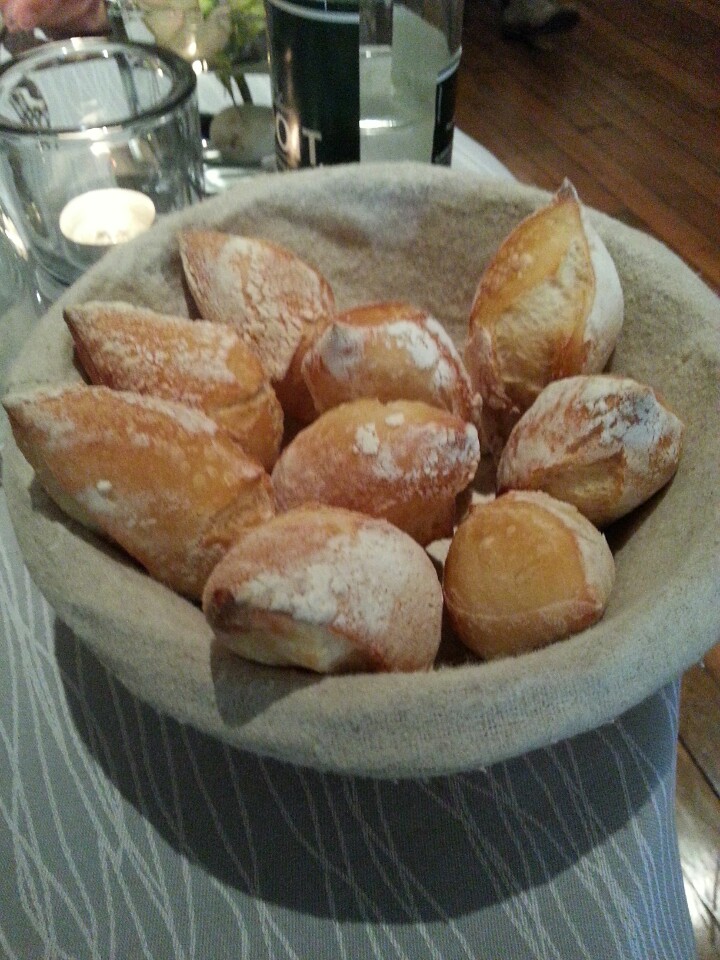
(97, 137)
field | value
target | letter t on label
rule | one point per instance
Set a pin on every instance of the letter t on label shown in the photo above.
(313, 136)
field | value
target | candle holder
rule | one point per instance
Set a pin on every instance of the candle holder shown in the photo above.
(91, 114)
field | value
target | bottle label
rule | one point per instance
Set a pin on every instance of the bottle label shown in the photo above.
(315, 82)
(445, 99)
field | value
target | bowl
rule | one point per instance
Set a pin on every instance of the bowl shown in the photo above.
(420, 233)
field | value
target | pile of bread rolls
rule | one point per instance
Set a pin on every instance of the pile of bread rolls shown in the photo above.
(287, 465)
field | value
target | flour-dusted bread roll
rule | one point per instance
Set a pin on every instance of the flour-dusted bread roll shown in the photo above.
(199, 363)
(403, 461)
(269, 294)
(549, 305)
(603, 443)
(329, 590)
(523, 571)
(161, 479)
(389, 351)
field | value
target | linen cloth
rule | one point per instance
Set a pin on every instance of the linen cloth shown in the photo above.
(423, 234)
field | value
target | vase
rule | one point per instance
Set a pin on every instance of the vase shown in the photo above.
(225, 40)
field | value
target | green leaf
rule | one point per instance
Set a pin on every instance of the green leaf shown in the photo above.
(207, 6)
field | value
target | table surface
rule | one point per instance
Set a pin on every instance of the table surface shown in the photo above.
(126, 834)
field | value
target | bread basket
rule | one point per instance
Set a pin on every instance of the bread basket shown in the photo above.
(419, 233)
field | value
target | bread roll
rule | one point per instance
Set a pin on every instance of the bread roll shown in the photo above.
(603, 443)
(202, 364)
(389, 351)
(403, 461)
(523, 571)
(549, 305)
(161, 479)
(292, 390)
(269, 294)
(329, 590)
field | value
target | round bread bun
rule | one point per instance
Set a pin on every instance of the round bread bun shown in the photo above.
(389, 351)
(548, 305)
(523, 571)
(328, 590)
(603, 443)
(403, 461)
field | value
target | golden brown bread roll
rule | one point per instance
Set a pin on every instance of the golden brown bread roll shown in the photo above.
(159, 478)
(523, 571)
(202, 364)
(329, 590)
(292, 390)
(403, 461)
(389, 351)
(603, 443)
(549, 305)
(269, 294)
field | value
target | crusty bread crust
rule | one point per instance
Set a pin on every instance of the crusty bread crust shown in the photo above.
(270, 295)
(199, 363)
(161, 479)
(390, 351)
(329, 590)
(549, 305)
(523, 571)
(603, 443)
(403, 461)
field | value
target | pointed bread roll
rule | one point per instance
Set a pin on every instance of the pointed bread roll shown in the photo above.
(549, 305)
(403, 461)
(269, 294)
(523, 571)
(389, 351)
(329, 590)
(202, 364)
(603, 443)
(162, 480)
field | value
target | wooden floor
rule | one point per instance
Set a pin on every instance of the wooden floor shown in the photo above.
(627, 106)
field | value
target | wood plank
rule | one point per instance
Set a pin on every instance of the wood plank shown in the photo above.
(655, 98)
(707, 932)
(697, 814)
(685, 184)
(588, 100)
(669, 30)
(707, 9)
(659, 134)
(690, 14)
(526, 95)
(700, 722)
(504, 131)
(664, 222)
(646, 164)
(711, 661)
(619, 33)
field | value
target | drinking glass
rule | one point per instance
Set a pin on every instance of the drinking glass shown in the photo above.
(97, 138)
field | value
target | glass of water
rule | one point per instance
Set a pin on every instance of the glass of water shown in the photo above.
(409, 57)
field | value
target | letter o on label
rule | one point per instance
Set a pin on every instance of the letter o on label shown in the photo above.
(281, 131)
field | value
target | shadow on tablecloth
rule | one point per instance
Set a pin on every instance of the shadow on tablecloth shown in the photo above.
(354, 849)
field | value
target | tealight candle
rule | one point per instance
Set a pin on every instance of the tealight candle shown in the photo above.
(104, 218)
(87, 113)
